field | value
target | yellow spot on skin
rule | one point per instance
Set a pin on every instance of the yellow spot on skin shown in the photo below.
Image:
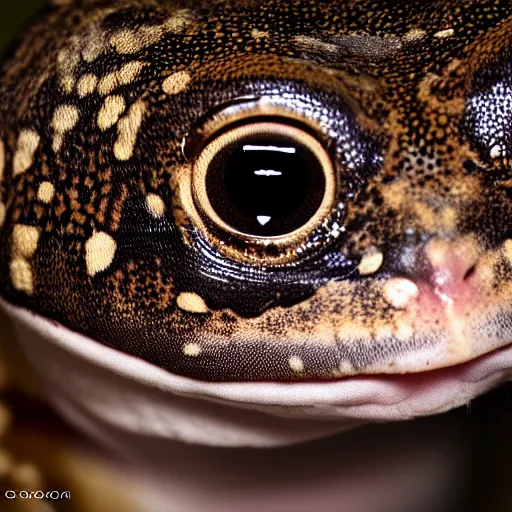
(132, 41)
(24, 241)
(449, 32)
(296, 364)
(178, 22)
(100, 250)
(87, 84)
(176, 83)
(123, 76)
(58, 140)
(155, 204)
(21, 276)
(110, 112)
(24, 245)
(404, 332)
(344, 369)
(415, 34)
(2, 214)
(191, 302)
(192, 349)
(64, 120)
(371, 262)
(129, 72)
(28, 142)
(108, 83)
(67, 82)
(399, 292)
(259, 34)
(45, 192)
(2, 159)
(127, 130)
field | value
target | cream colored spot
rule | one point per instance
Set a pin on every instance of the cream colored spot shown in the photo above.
(110, 112)
(133, 41)
(415, 34)
(176, 83)
(495, 151)
(192, 349)
(21, 276)
(404, 332)
(370, 262)
(67, 62)
(67, 82)
(129, 72)
(24, 241)
(127, 130)
(64, 120)
(259, 34)
(108, 83)
(399, 292)
(2, 214)
(2, 159)
(123, 76)
(449, 32)
(155, 204)
(45, 192)
(344, 369)
(87, 84)
(100, 250)
(191, 302)
(296, 364)
(58, 140)
(28, 142)
(177, 22)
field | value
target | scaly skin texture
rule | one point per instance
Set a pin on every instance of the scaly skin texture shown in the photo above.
(412, 268)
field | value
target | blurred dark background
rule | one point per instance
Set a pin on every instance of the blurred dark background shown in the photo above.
(13, 13)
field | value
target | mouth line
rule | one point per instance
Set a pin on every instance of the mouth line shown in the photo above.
(434, 371)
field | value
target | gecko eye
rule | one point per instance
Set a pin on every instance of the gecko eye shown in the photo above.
(263, 180)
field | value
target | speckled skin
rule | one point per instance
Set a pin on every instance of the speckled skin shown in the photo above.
(411, 101)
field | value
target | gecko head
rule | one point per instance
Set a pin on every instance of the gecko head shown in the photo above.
(279, 192)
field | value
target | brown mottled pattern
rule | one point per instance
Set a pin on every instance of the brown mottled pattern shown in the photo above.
(95, 103)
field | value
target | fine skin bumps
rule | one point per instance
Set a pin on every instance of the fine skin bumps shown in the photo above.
(124, 122)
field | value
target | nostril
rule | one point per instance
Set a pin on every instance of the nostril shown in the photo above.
(469, 272)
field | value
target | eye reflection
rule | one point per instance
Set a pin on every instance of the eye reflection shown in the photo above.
(266, 186)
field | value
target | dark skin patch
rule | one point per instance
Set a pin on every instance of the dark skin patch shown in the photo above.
(387, 90)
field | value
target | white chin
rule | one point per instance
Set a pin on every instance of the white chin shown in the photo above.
(97, 387)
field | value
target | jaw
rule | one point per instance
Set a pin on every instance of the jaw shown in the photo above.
(94, 385)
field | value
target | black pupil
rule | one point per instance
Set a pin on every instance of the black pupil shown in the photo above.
(265, 185)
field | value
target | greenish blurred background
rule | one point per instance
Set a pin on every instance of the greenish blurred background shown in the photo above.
(13, 13)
